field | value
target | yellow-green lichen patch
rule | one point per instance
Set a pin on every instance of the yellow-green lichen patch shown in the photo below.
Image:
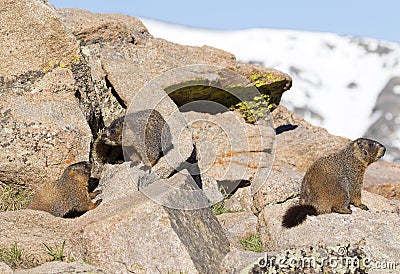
(255, 109)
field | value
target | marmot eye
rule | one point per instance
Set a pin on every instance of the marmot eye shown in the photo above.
(370, 145)
(113, 131)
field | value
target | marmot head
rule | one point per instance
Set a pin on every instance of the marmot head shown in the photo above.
(112, 135)
(368, 151)
(79, 171)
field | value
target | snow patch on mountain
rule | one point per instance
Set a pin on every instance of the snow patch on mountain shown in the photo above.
(336, 79)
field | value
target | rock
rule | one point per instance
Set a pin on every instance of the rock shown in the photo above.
(375, 230)
(43, 129)
(239, 261)
(128, 228)
(281, 184)
(269, 82)
(31, 230)
(5, 269)
(192, 239)
(241, 200)
(55, 105)
(90, 28)
(37, 37)
(314, 141)
(41, 134)
(61, 267)
(230, 150)
(238, 225)
(285, 120)
(124, 57)
(384, 179)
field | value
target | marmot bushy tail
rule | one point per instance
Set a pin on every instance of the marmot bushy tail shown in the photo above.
(146, 137)
(69, 195)
(333, 182)
(295, 215)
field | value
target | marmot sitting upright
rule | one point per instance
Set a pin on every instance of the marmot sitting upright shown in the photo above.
(333, 182)
(147, 136)
(69, 195)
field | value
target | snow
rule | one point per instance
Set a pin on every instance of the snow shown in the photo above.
(396, 90)
(388, 116)
(322, 65)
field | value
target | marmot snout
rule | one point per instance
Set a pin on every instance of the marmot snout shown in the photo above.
(333, 182)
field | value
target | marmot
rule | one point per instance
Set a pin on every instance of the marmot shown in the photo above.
(333, 182)
(69, 195)
(103, 153)
(147, 136)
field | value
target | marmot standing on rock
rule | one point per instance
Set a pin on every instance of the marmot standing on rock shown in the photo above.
(333, 182)
(69, 194)
(146, 139)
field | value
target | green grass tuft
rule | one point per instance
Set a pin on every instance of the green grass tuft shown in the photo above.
(16, 257)
(58, 255)
(219, 208)
(252, 243)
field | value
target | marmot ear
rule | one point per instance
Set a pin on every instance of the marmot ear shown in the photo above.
(357, 143)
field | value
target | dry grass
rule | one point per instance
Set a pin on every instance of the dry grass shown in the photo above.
(12, 198)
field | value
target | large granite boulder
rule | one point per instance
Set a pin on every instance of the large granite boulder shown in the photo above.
(43, 128)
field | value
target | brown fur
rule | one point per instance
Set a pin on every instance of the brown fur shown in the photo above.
(69, 194)
(103, 153)
(333, 182)
(146, 136)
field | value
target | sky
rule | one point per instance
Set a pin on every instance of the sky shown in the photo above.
(360, 18)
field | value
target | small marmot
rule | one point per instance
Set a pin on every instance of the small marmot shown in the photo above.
(69, 195)
(333, 182)
(147, 136)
